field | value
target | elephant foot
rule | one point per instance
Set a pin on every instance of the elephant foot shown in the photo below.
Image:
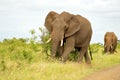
(88, 62)
(80, 62)
(63, 60)
(53, 56)
(88, 65)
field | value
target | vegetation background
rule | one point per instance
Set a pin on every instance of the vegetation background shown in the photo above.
(29, 59)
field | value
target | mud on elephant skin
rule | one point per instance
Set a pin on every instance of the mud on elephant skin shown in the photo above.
(75, 29)
(110, 42)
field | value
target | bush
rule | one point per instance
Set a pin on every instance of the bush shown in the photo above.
(96, 47)
(73, 56)
(2, 64)
(22, 55)
(46, 47)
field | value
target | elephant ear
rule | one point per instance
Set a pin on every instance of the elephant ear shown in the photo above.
(72, 26)
(49, 19)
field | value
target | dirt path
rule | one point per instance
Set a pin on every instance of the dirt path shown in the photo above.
(112, 73)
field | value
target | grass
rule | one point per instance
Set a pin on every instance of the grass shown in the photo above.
(20, 61)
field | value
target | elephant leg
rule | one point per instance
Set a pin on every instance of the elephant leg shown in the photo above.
(111, 51)
(87, 59)
(114, 48)
(81, 54)
(81, 61)
(69, 46)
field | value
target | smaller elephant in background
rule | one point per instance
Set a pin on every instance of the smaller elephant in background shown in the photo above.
(110, 42)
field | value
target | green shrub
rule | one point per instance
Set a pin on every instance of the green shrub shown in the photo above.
(96, 47)
(2, 63)
(24, 54)
(73, 56)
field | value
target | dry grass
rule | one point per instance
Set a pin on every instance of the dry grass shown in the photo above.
(17, 69)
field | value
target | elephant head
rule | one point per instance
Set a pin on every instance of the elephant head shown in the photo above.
(108, 45)
(60, 26)
(49, 19)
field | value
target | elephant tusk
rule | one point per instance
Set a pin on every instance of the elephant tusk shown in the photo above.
(61, 44)
(48, 40)
(111, 46)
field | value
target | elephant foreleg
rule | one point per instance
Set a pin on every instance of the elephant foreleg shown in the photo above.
(114, 48)
(68, 48)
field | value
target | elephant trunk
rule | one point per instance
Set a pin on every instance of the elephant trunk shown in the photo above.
(57, 41)
(55, 46)
(108, 48)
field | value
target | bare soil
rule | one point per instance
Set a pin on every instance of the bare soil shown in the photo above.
(112, 73)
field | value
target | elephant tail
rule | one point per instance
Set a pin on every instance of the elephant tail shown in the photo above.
(90, 53)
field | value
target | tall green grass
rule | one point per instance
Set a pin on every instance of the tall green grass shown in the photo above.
(20, 60)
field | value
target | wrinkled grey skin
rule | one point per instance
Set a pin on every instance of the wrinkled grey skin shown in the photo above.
(110, 42)
(75, 29)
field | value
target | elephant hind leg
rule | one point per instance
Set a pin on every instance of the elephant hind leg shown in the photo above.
(83, 53)
(87, 59)
(115, 48)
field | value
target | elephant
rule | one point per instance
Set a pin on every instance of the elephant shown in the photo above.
(67, 32)
(110, 42)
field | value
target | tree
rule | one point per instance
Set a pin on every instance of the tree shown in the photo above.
(44, 37)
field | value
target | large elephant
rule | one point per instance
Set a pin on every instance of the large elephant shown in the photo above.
(110, 42)
(73, 30)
